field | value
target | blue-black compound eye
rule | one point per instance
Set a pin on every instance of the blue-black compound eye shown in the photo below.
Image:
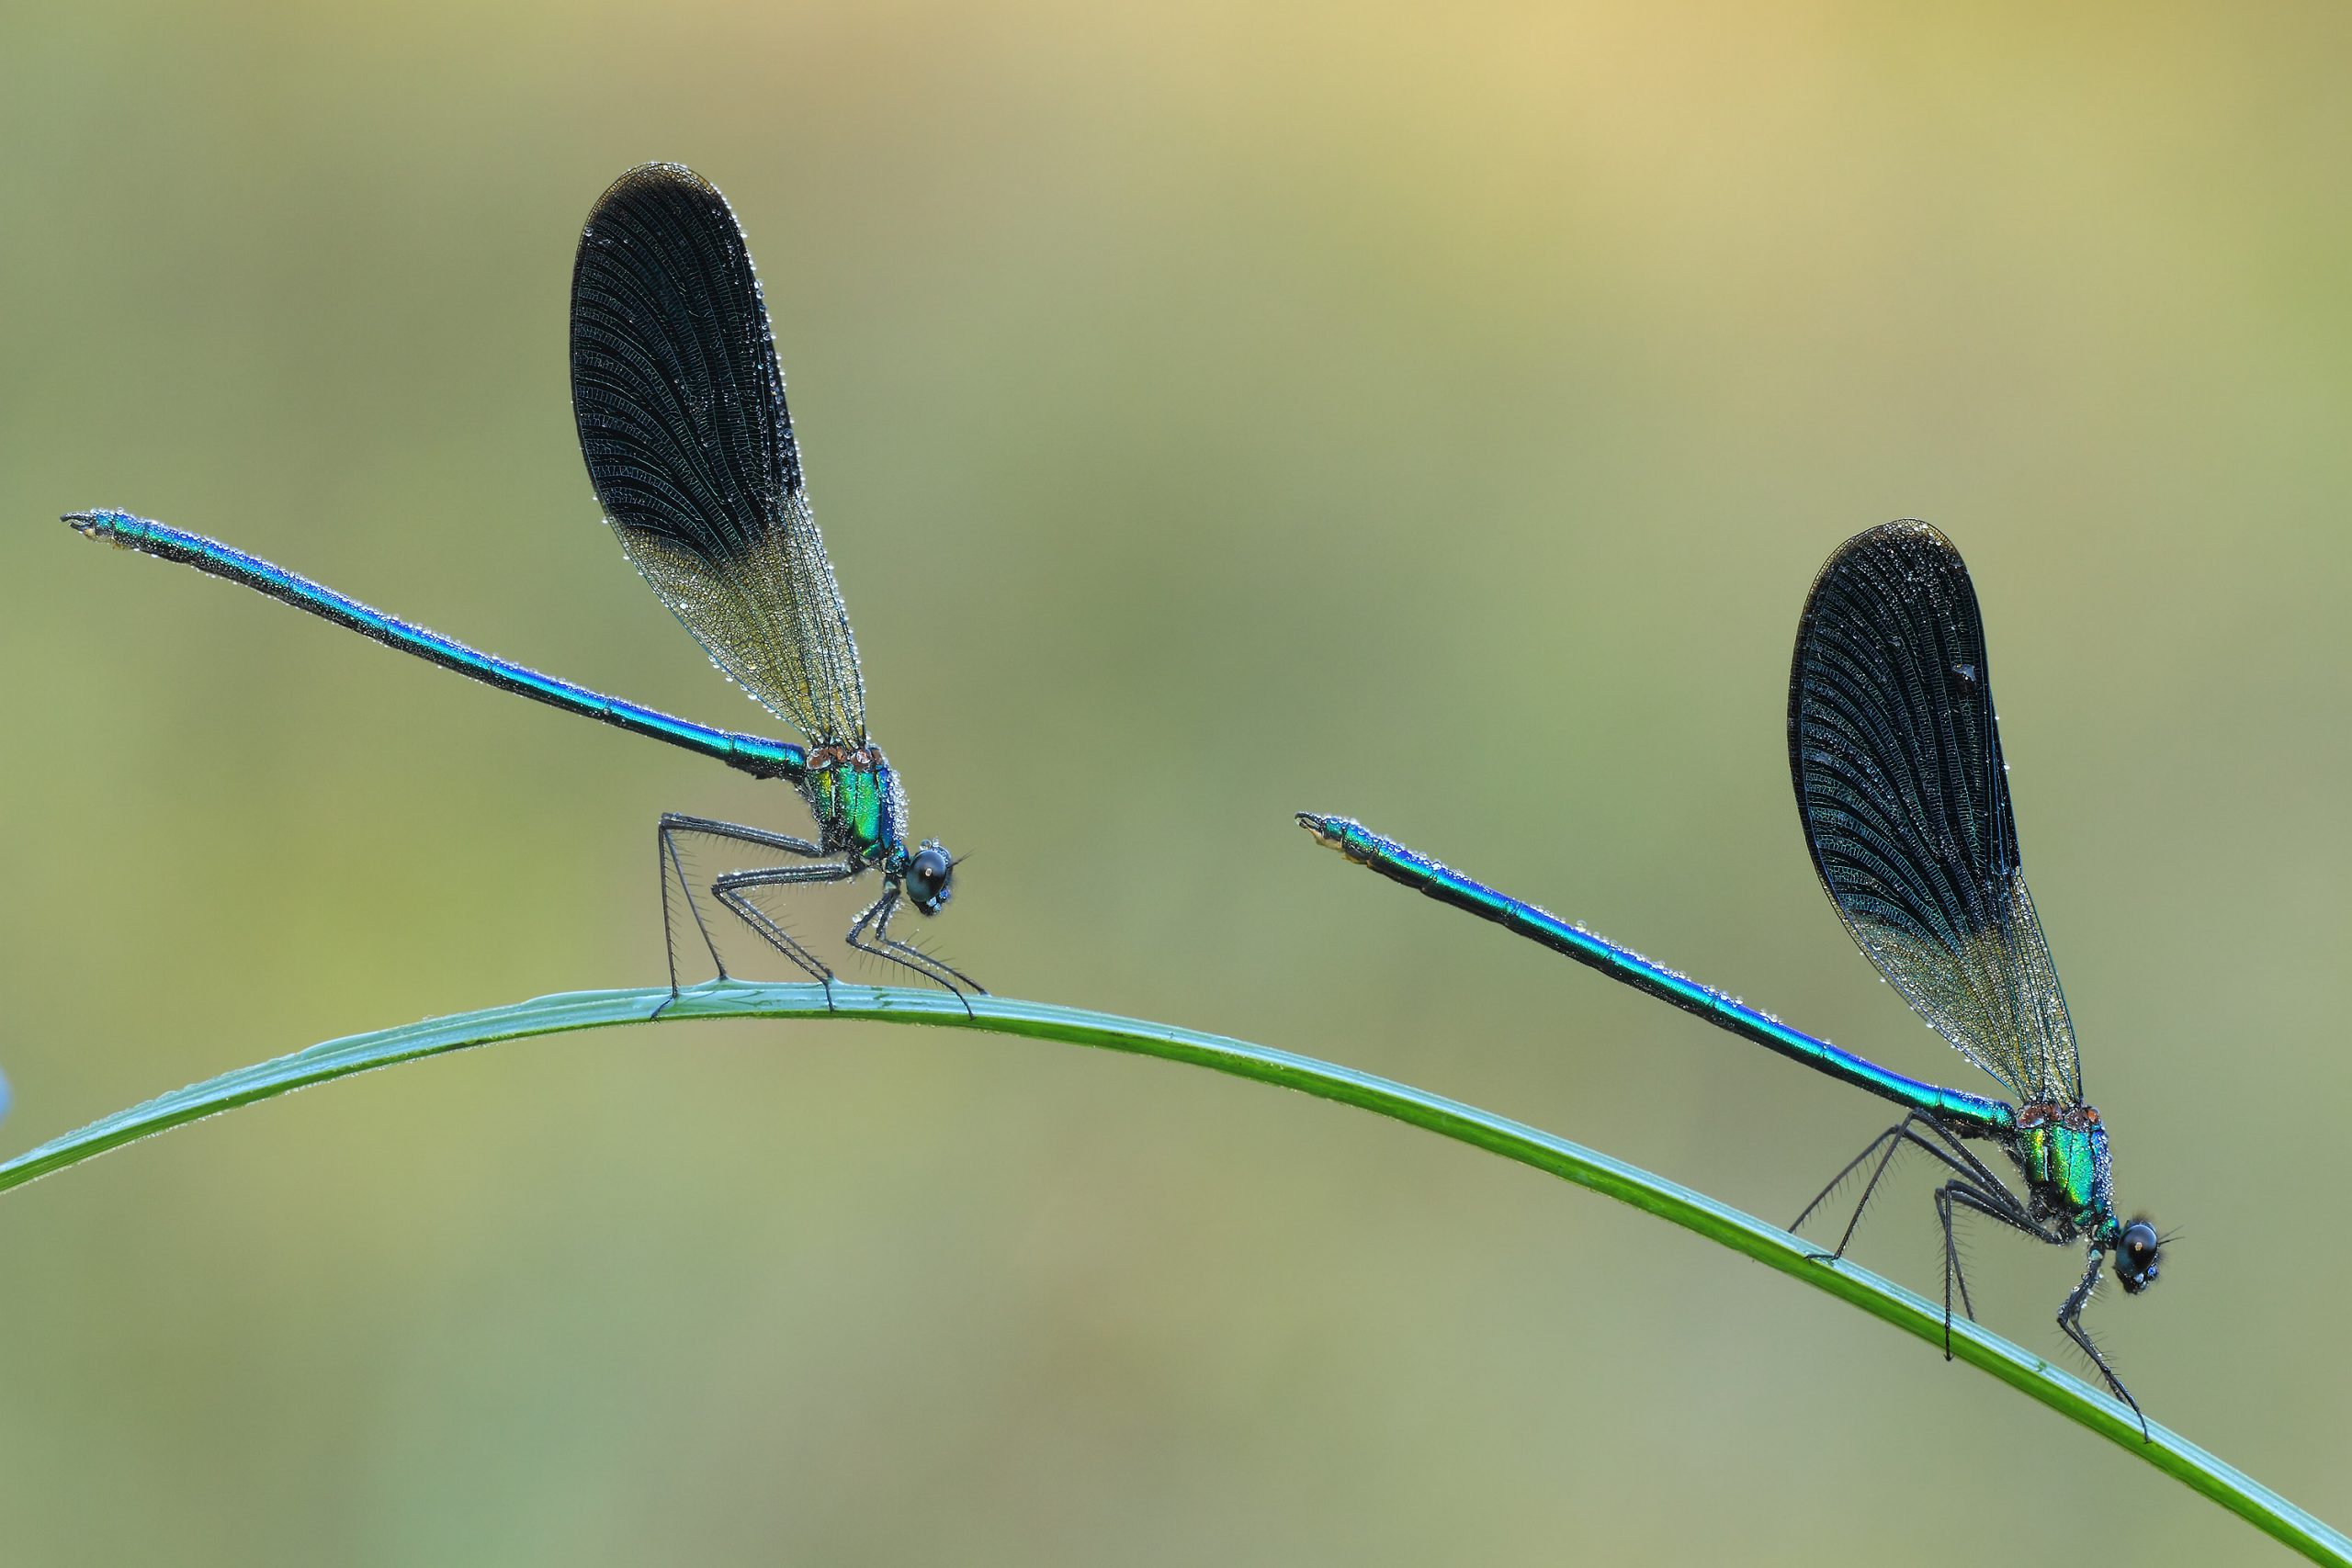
(928, 877)
(2135, 1256)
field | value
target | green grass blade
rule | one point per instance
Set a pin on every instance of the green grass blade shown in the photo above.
(1768, 1244)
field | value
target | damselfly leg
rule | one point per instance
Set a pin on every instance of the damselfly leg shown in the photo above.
(728, 889)
(888, 948)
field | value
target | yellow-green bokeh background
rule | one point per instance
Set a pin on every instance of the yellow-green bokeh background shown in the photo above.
(1431, 414)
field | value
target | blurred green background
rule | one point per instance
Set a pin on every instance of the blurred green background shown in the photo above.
(1429, 414)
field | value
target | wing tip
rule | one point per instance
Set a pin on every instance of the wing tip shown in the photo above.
(1914, 529)
(657, 173)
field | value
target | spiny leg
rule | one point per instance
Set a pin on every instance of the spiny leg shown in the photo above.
(1950, 1152)
(669, 859)
(1894, 1137)
(665, 860)
(729, 890)
(1951, 1267)
(1998, 1204)
(881, 912)
(666, 833)
(906, 954)
(1838, 1180)
(2070, 1320)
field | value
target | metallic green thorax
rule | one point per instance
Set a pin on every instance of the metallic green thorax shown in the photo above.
(858, 802)
(2061, 1151)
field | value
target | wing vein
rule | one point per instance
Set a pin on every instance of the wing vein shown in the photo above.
(1895, 751)
(681, 409)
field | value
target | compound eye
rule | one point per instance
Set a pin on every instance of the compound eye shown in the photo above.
(928, 875)
(2135, 1254)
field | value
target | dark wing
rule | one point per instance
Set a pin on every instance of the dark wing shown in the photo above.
(680, 404)
(1897, 758)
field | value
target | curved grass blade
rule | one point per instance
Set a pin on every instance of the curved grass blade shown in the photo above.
(2030, 1374)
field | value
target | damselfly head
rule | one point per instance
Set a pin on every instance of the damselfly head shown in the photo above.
(2136, 1246)
(930, 877)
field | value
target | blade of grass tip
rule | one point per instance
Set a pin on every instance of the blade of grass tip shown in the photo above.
(2020, 1369)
